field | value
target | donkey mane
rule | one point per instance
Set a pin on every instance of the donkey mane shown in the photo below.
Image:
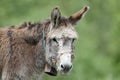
(30, 25)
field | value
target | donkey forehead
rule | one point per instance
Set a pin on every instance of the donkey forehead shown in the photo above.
(63, 32)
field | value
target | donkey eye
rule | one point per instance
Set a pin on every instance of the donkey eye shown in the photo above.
(73, 40)
(55, 40)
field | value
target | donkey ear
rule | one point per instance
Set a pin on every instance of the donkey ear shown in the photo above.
(78, 15)
(55, 16)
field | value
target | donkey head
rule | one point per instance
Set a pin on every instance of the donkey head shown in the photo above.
(60, 40)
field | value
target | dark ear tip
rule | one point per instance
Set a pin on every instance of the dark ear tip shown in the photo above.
(87, 8)
(56, 8)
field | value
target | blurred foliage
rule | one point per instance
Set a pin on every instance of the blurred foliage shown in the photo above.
(98, 46)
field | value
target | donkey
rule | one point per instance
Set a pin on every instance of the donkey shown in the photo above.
(28, 50)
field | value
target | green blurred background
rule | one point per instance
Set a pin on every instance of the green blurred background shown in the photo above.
(98, 47)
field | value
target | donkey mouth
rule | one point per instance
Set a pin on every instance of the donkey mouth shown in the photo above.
(65, 72)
